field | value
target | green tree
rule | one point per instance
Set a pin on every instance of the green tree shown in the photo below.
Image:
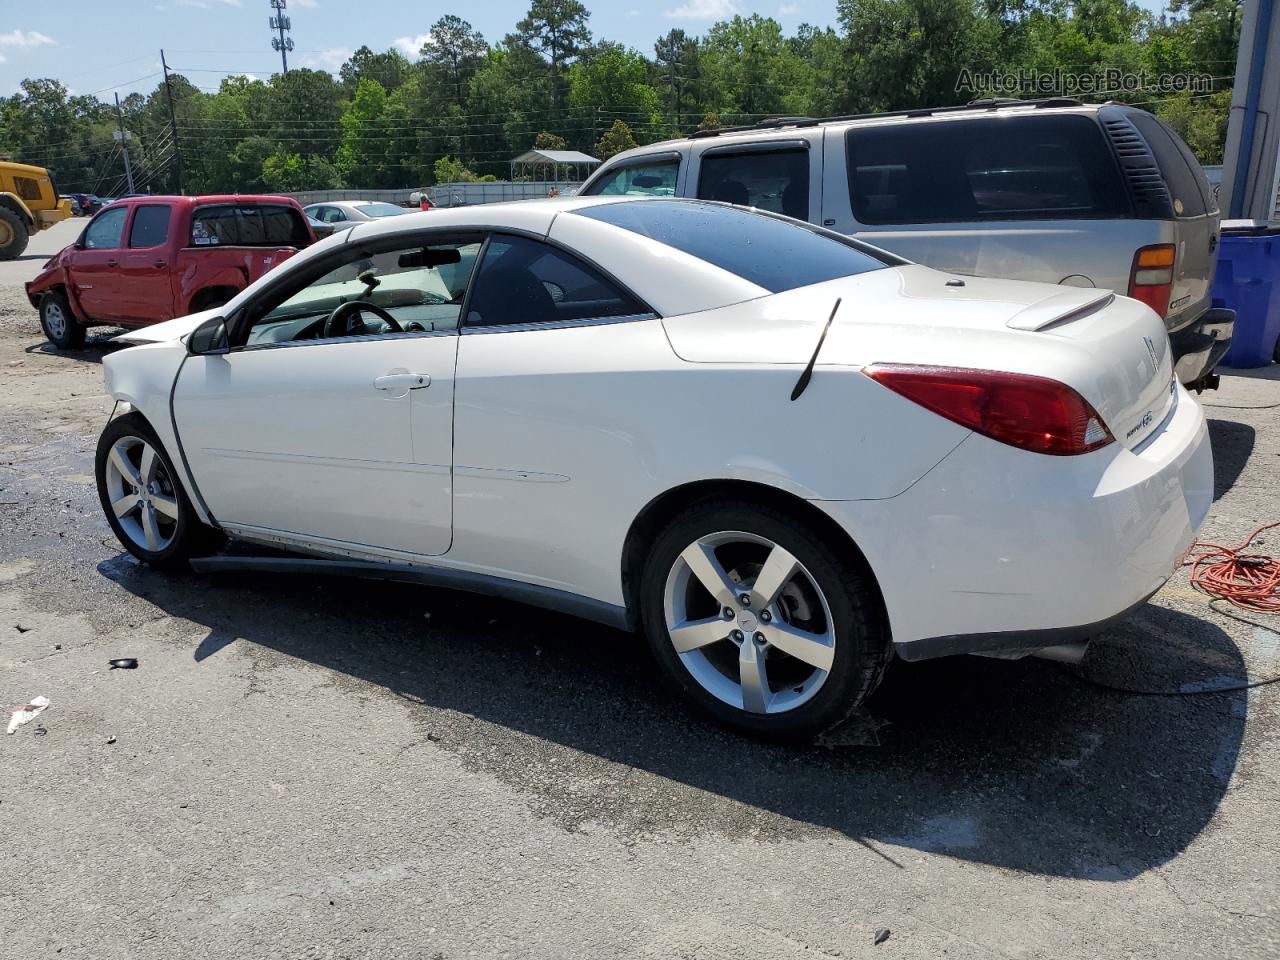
(362, 158)
(557, 31)
(549, 141)
(453, 51)
(613, 81)
(678, 69)
(389, 68)
(616, 139)
(449, 170)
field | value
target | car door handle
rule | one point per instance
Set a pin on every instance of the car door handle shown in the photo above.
(403, 381)
(113, 263)
(159, 263)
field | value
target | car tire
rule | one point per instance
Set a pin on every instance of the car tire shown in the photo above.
(13, 234)
(142, 498)
(828, 600)
(59, 324)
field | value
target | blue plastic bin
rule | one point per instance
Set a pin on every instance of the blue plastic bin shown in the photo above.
(1248, 281)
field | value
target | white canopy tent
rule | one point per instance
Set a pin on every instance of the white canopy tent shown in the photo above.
(548, 164)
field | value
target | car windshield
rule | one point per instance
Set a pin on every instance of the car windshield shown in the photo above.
(379, 210)
(769, 251)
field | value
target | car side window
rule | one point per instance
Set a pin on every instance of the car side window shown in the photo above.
(421, 288)
(330, 215)
(150, 226)
(657, 179)
(106, 230)
(776, 180)
(525, 281)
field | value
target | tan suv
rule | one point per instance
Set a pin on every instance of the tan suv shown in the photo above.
(1055, 190)
(29, 203)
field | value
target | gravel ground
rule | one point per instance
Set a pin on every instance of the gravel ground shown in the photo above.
(351, 769)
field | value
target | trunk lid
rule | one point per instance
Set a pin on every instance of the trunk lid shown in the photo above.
(1112, 350)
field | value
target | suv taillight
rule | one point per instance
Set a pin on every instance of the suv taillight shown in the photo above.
(1033, 413)
(1151, 278)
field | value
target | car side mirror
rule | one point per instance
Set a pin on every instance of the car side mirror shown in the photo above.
(209, 339)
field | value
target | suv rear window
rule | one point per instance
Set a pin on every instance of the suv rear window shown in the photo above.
(768, 251)
(1013, 167)
(249, 225)
(1183, 181)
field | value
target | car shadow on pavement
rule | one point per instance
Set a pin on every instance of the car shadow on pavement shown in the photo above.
(96, 346)
(1232, 445)
(1016, 764)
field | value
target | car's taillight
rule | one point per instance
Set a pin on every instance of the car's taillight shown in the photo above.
(1034, 413)
(1151, 278)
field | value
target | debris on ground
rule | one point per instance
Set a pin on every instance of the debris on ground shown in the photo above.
(111, 739)
(27, 712)
(21, 628)
(124, 663)
(882, 935)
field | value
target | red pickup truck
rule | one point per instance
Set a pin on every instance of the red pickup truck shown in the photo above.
(144, 260)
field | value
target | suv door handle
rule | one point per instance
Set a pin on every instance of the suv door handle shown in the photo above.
(404, 381)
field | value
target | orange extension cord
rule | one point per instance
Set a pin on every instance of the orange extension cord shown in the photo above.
(1250, 581)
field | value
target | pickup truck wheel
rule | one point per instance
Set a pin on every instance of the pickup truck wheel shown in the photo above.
(13, 234)
(144, 502)
(59, 323)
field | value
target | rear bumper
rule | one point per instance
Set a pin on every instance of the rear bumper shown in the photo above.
(1000, 550)
(1199, 347)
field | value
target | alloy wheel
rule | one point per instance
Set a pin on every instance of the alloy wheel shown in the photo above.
(749, 622)
(141, 494)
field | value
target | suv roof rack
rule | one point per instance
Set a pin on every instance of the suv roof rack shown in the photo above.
(990, 103)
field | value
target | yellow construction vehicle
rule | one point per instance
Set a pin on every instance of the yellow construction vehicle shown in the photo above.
(28, 204)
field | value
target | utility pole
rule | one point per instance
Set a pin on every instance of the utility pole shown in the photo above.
(281, 24)
(124, 144)
(173, 120)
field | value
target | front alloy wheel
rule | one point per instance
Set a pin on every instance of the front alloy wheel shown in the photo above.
(141, 494)
(145, 505)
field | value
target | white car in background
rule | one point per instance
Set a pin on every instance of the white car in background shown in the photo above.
(345, 214)
(786, 455)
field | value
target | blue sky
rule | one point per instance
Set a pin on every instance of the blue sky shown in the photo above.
(100, 46)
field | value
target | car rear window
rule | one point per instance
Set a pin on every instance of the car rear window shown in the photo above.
(380, 209)
(768, 251)
(249, 225)
(1013, 167)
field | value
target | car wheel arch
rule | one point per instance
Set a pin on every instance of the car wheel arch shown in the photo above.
(655, 515)
(209, 297)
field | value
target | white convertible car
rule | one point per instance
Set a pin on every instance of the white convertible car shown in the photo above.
(785, 455)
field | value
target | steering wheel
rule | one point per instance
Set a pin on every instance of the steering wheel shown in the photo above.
(337, 323)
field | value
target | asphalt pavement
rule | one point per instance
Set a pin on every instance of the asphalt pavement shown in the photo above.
(308, 768)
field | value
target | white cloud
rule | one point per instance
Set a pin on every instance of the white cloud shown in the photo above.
(2, 58)
(787, 9)
(198, 4)
(232, 3)
(330, 59)
(704, 10)
(411, 46)
(305, 4)
(31, 38)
